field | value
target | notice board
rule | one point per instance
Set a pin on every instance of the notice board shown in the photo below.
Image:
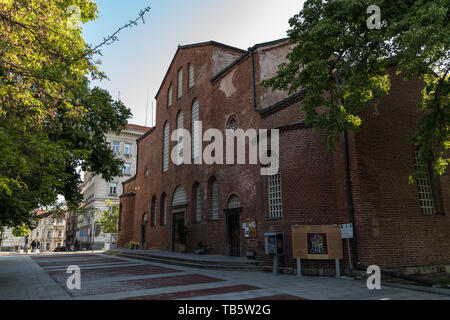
(323, 242)
(249, 227)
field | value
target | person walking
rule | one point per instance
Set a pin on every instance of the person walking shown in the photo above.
(33, 245)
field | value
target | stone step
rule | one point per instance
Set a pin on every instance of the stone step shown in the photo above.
(194, 263)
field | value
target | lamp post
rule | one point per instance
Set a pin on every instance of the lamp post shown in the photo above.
(93, 233)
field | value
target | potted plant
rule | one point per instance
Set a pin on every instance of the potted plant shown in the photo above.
(251, 253)
(132, 245)
(200, 248)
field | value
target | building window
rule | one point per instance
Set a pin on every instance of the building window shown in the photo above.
(166, 148)
(197, 203)
(214, 192)
(113, 188)
(163, 219)
(180, 120)
(153, 212)
(59, 234)
(274, 190)
(127, 149)
(180, 83)
(49, 234)
(191, 75)
(424, 184)
(127, 169)
(196, 139)
(234, 202)
(232, 125)
(115, 147)
(169, 96)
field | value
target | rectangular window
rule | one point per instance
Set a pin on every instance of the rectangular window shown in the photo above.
(180, 83)
(115, 147)
(127, 168)
(127, 149)
(424, 184)
(113, 188)
(274, 189)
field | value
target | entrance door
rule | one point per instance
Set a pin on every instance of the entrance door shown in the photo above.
(178, 232)
(143, 230)
(234, 234)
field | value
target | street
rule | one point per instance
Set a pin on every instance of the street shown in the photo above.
(44, 276)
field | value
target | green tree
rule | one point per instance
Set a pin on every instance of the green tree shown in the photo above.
(52, 124)
(20, 232)
(344, 66)
(108, 220)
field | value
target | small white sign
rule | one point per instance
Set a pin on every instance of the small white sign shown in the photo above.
(347, 231)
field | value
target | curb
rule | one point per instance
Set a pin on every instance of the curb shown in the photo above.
(444, 292)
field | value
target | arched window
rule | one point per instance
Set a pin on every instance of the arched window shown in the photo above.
(166, 147)
(234, 202)
(179, 197)
(163, 218)
(180, 120)
(169, 96)
(153, 212)
(196, 139)
(232, 124)
(180, 83)
(191, 75)
(214, 194)
(197, 197)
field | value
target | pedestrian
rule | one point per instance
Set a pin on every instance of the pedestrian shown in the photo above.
(38, 245)
(33, 245)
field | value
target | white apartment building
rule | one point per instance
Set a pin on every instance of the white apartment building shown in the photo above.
(50, 232)
(96, 190)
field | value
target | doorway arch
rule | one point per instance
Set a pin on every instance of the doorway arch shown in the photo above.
(233, 225)
(178, 220)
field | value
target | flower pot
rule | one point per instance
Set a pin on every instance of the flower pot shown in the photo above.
(199, 251)
(250, 254)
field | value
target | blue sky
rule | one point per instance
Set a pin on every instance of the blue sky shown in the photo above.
(136, 64)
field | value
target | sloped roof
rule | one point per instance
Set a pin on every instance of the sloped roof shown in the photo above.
(137, 127)
(199, 44)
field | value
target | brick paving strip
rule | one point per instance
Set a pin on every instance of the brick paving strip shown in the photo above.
(78, 262)
(195, 293)
(110, 272)
(141, 284)
(66, 256)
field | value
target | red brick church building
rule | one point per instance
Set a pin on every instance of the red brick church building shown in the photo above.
(364, 181)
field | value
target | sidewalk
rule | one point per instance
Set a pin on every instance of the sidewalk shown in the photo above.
(22, 279)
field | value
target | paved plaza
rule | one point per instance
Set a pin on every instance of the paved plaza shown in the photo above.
(103, 277)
